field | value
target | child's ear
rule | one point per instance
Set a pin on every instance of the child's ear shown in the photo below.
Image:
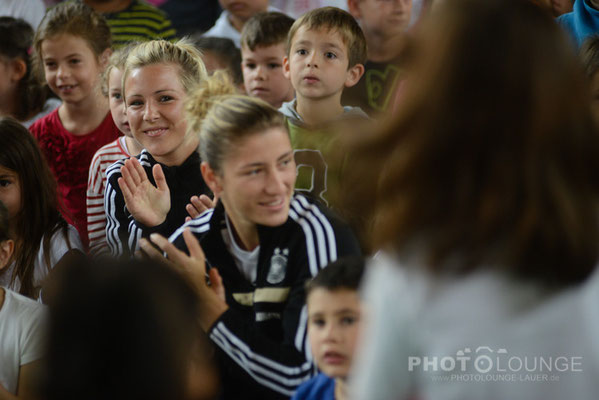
(104, 57)
(18, 69)
(6, 249)
(353, 75)
(353, 6)
(211, 178)
(286, 67)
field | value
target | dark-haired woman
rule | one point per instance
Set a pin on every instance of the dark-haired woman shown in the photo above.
(485, 197)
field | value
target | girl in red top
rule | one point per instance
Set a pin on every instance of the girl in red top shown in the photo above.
(72, 45)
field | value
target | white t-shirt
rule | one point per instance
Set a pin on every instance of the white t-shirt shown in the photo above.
(246, 261)
(31, 11)
(481, 336)
(223, 28)
(297, 8)
(22, 321)
(58, 248)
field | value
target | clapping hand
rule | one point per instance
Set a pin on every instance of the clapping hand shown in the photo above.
(148, 204)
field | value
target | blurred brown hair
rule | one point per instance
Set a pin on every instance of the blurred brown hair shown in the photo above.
(589, 55)
(492, 157)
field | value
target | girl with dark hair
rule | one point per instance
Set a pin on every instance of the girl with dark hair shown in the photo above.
(28, 190)
(22, 96)
(484, 192)
(21, 334)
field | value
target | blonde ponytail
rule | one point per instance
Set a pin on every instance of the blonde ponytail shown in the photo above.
(201, 99)
(225, 119)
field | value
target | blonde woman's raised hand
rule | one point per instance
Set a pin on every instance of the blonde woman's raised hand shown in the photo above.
(148, 204)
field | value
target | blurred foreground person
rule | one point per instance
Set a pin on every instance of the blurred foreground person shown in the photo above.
(485, 196)
(126, 331)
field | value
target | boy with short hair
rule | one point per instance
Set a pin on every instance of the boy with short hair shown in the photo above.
(384, 24)
(262, 51)
(326, 50)
(334, 310)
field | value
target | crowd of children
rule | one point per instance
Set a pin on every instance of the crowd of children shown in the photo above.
(190, 218)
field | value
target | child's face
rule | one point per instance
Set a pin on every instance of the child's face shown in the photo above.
(116, 102)
(263, 74)
(10, 192)
(382, 17)
(333, 323)
(155, 109)
(71, 68)
(244, 9)
(317, 64)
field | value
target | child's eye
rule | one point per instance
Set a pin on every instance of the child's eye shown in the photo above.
(4, 182)
(318, 322)
(75, 61)
(302, 52)
(274, 65)
(330, 55)
(134, 103)
(250, 65)
(116, 96)
(165, 98)
(50, 64)
(348, 320)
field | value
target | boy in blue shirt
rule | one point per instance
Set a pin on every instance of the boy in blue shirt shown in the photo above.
(334, 310)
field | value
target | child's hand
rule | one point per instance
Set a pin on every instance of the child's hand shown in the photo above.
(198, 205)
(148, 204)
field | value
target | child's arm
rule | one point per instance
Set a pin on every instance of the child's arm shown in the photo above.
(96, 215)
(25, 387)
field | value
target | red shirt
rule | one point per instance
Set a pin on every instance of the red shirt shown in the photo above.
(69, 157)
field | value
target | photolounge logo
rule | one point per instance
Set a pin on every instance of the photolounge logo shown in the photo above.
(486, 364)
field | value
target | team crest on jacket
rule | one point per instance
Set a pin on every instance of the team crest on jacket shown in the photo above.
(278, 266)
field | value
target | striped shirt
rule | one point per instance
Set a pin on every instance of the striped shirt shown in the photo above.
(137, 23)
(96, 184)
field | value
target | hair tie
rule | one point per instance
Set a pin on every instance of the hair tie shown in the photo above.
(29, 50)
